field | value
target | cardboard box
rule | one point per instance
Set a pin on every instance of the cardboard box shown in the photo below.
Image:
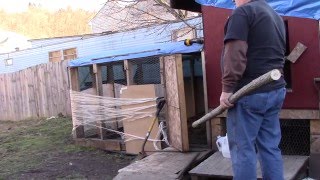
(140, 127)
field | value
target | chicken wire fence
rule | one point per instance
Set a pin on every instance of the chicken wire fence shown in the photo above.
(295, 137)
(144, 71)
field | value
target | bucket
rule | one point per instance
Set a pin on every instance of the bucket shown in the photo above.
(223, 145)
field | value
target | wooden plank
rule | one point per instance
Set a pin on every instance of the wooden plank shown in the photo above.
(161, 62)
(98, 79)
(14, 96)
(129, 72)
(217, 129)
(97, 82)
(190, 92)
(205, 96)
(299, 114)
(176, 107)
(53, 89)
(60, 103)
(74, 84)
(2, 99)
(293, 114)
(216, 166)
(36, 91)
(296, 52)
(158, 166)
(21, 98)
(314, 145)
(66, 87)
(314, 127)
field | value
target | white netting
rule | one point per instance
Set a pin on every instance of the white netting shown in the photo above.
(90, 109)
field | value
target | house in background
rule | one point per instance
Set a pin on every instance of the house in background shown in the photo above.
(71, 47)
(121, 15)
(11, 41)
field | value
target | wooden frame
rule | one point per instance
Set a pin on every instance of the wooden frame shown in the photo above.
(176, 105)
(129, 72)
(97, 86)
(74, 85)
(205, 95)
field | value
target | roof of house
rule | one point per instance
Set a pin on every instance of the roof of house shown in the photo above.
(137, 52)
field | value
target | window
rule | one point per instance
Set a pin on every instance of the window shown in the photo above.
(66, 54)
(69, 54)
(8, 62)
(55, 56)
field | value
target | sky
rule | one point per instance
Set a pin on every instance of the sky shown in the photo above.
(21, 5)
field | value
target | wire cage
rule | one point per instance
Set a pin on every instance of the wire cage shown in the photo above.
(295, 137)
(146, 70)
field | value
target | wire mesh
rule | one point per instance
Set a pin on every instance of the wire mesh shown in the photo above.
(85, 79)
(295, 137)
(146, 70)
(114, 73)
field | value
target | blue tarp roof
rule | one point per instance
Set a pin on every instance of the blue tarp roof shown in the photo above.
(297, 8)
(137, 52)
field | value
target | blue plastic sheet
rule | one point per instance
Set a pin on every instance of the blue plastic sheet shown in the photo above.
(137, 52)
(296, 8)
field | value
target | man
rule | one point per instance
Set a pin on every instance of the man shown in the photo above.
(254, 44)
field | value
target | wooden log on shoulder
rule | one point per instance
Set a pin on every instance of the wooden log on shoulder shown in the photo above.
(253, 85)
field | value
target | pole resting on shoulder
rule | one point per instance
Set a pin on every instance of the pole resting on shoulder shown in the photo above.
(253, 85)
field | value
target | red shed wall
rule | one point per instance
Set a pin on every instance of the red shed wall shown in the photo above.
(304, 94)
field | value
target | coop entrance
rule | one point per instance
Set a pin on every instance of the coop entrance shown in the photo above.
(195, 97)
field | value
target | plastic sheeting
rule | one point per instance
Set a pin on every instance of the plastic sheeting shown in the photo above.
(137, 52)
(296, 8)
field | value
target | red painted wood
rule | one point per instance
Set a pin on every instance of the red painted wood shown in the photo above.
(304, 94)
(306, 31)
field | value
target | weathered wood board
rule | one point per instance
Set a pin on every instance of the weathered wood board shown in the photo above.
(160, 165)
(176, 106)
(218, 166)
(36, 92)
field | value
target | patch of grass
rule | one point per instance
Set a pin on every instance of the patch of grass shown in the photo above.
(28, 146)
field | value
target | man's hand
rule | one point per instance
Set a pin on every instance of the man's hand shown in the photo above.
(224, 102)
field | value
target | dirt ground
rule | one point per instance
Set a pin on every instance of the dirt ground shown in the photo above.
(82, 165)
(45, 150)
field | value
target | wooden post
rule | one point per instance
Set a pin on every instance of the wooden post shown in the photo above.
(193, 100)
(205, 95)
(161, 62)
(129, 72)
(176, 105)
(97, 82)
(74, 85)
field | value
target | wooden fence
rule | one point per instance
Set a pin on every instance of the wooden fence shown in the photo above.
(36, 92)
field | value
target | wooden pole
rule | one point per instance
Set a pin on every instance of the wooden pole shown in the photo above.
(74, 85)
(97, 77)
(129, 72)
(253, 85)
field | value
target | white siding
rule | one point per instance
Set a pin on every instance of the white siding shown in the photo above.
(95, 45)
(49, 41)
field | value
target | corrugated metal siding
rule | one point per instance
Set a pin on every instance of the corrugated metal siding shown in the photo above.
(95, 45)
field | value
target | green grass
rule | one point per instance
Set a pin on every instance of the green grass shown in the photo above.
(26, 147)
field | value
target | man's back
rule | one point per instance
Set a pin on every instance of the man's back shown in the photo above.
(266, 40)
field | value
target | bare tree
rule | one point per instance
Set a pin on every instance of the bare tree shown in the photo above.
(119, 15)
